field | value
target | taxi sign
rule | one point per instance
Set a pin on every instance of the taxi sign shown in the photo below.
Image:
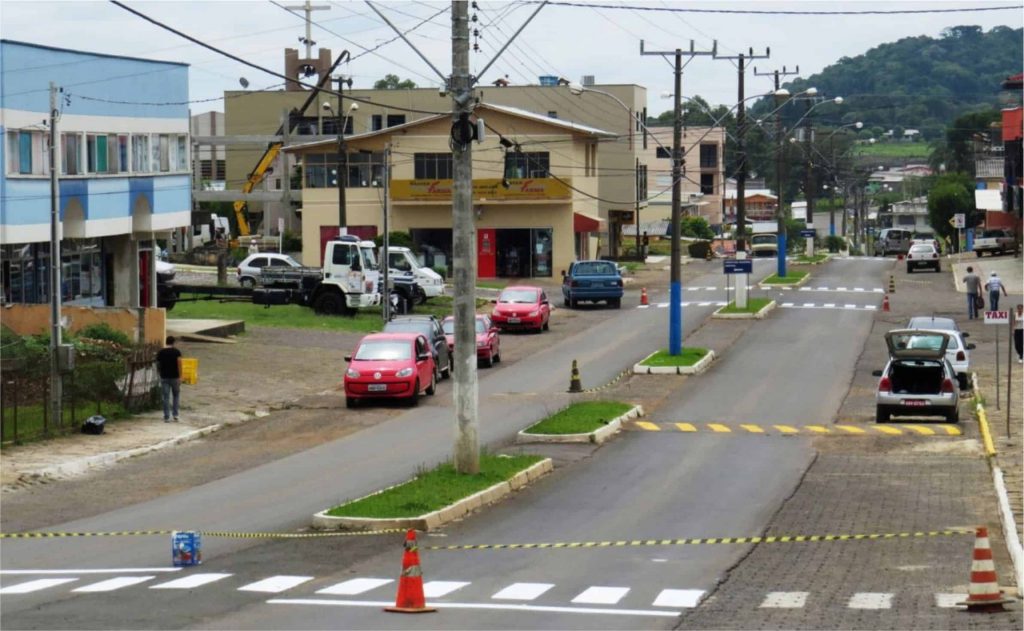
(997, 317)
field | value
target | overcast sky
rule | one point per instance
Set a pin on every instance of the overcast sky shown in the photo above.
(569, 41)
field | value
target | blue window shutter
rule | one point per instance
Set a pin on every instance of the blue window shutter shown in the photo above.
(25, 152)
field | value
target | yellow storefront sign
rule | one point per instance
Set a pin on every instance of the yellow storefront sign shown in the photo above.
(525, 189)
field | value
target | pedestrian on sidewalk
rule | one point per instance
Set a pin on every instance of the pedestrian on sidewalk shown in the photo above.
(993, 286)
(168, 361)
(1018, 333)
(972, 284)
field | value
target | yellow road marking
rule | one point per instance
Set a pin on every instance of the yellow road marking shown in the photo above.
(753, 429)
(686, 427)
(817, 428)
(786, 429)
(952, 431)
(852, 429)
(719, 428)
(651, 427)
(920, 429)
(885, 429)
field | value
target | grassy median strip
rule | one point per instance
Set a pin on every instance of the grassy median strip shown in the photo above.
(791, 278)
(753, 306)
(434, 489)
(688, 357)
(580, 418)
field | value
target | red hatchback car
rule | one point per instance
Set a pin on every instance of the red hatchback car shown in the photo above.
(391, 366)
(488, 342)
(522, 307)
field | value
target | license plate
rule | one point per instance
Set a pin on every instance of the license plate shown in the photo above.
(513, 320)
(377, 387)
(914, 403)
(613, 284)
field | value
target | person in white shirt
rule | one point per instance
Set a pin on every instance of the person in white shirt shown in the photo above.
(994, 285)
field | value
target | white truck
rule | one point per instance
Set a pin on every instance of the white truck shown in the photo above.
(995, 241)
(401, 259)
(764, 239)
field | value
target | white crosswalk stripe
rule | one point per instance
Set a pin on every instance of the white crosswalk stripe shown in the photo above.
(784, 600)
(871, 600)
(35, 586)
(601, 595)
(685, 598)
(188, 582)
(523, 591)
(440, 589)
(275, 584)
(948, 601)
(355, 586)
(112, 584)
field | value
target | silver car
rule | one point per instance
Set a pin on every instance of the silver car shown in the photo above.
(918, 380)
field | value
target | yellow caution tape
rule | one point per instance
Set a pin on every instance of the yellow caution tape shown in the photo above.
(706, 541)
(206, 533)
(610, 383)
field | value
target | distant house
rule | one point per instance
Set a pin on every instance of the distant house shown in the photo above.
(910, 135)
(911, 215)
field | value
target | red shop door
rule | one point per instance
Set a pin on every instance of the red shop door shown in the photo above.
(486, 253)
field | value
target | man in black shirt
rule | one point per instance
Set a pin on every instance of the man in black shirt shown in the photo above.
(169, 364)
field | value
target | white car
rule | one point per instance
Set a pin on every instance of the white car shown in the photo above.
(249, 269)
(923, 255)
(957, 352)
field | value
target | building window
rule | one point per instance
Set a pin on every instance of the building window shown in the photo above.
(707, 183)
(206, 169)
(432, 166)
(708, 156)
(221, 169)
(70, 154)
(365, 170)
(376, 122)
(552, 114)
(122, 154)
(663, 152)
(396, 119)
(140, 154)
(164, 155)
(182, 161)
(527, 164)
(318, 166)
(28, 153)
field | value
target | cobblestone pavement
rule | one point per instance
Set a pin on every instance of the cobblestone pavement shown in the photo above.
(877, 485)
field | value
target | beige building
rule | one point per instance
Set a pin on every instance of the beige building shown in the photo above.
(618, 109)
(703, 183)
(535, 183)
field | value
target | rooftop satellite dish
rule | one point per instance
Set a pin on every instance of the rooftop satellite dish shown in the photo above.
(243, 81)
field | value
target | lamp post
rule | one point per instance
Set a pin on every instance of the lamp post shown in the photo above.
(831, 207)
(342, 153)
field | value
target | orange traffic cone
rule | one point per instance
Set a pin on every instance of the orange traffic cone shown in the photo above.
(410, 598)
(643, 296)
(885, 303)
(984, 594)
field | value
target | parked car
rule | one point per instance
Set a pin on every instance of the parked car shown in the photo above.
(958, 351)
(250, 268)
(429, 327)
(892, 241)
(926, 239)
(764, 244)
(488, 339)
(995, 241)
(390, 365)
(918, 380)
(522, 307)
(923, 255)
(592, 281)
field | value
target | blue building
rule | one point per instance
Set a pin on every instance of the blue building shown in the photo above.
(123, 165)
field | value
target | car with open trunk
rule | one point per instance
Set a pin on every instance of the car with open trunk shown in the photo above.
(918, 380)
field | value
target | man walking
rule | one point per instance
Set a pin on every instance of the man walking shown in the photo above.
(972, 284)
(994, 285)
(168, 361)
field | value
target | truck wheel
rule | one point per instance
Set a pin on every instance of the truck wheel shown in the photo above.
(329, 303)
(421, 296)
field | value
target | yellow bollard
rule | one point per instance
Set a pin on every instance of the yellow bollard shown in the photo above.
(574, 381)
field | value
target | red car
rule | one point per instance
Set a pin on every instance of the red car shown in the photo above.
(488, 343)
(391, 366)
(522, 307)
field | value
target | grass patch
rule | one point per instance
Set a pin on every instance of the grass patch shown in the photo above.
(580, 418)
(299, 317)
(30, 419)
(435, 489)
(631, 266)
(492, 284)
(688, 357)
(895, 150)
(753, 306)
(803, 258)
(791, 278)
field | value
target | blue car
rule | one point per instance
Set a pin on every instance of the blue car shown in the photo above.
(592, 281)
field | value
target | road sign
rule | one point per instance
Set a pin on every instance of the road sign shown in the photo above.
(997, 317)
(733, 266)
(809, 234)
(958, 221)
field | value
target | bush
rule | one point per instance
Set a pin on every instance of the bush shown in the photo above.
(699, 249)
(396, 239)
(291, 242)
(104, 331)
(696, 227)
(834, 243)
(442, 270)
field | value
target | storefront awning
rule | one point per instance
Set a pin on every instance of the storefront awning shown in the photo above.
(582, 222)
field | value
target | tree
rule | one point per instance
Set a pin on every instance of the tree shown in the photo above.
(392, 82)
(951, 194)
(696, 227)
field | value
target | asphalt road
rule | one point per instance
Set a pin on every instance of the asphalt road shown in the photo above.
(642, 486)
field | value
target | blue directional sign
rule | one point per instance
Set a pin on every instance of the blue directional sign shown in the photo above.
(809, 234)
(733, 266)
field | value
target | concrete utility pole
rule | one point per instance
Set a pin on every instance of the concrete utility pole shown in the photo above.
(56, 389)
(780, 166)
(342, 156)
(675, 304)
(809, 177)
(467, 443)
(385, 292)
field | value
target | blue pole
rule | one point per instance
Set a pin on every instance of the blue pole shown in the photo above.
(675, 318)
(781, 254)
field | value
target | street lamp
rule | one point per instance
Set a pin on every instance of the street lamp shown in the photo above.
(342, 158)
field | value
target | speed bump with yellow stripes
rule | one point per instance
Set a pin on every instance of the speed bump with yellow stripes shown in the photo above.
(896, 429)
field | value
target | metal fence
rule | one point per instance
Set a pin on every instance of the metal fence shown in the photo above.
(111, 388)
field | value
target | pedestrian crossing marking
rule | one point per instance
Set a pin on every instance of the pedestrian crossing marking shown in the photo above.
(188, 582)
(684, 598)
(788, 305)
(523, 591)
(112, 584)
(843, 429)
(440, 589)
(601, 595)
(275, 584)
(35, 586)
(784, 600)
(355, 586)
(871, 600)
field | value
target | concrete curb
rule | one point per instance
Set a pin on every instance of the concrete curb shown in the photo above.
(1007, 521)
(597, 436)
(696, 369)
(760, 315)
(436, 519)
(803, 281)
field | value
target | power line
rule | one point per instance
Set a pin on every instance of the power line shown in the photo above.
(772, 12)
